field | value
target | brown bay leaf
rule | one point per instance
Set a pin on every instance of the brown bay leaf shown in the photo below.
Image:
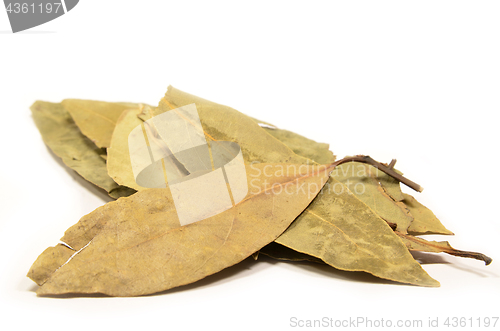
(64, 138)
(418, 244)
(136, 246)
(97, 119)
(51, 259)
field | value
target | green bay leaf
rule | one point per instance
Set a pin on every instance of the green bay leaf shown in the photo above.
(362, 180)
(424, 220)
(63, 137)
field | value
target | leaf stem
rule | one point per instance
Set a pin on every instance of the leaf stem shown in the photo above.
(443, 246)
(388, 169)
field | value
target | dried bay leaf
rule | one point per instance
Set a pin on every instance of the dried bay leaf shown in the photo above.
(118, 163)
(424, 220)
(51, 259)
(213, 115)
(220, 123)
(361, 179)
(315, 151)
(280, 252)
(422, 245)
(382, 263)
(64, 138)
(97, 119)
(224, 123)
(371, 185)
(391, 186)
(227, 124)
(135, 246)
(300, 145)
(146, 113)
(121, 191)
(344, 232)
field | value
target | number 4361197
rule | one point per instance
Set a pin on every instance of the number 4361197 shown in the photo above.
(25, 8)
(471, 322)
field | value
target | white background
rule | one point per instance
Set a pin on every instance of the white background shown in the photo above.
(418, 81)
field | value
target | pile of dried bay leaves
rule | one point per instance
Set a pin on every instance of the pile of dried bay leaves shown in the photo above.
(352, 216)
